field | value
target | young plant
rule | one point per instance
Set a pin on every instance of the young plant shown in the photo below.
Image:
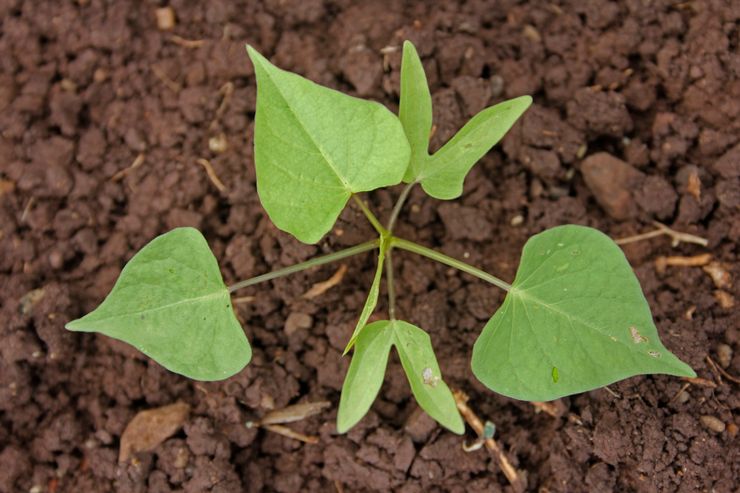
(574, 319)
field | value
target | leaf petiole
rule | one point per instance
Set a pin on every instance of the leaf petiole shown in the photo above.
(370, 216)
(444, 259)
(325, 259)
(399, 205)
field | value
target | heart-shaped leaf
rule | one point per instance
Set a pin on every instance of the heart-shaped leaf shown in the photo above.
(171, 303)
(314, 147)
(574, 320)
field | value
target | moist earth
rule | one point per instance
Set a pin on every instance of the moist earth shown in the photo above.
(104, 118)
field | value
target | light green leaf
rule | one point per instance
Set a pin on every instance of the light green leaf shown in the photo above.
(171, 303)
(365, 375)
(314, 147)
(420, 364)
(443, 174)
(574, 320)
(370, 303)
(415, 110)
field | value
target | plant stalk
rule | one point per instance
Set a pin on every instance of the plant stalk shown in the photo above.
(325, 259)
(399, 205)
(389, 284)
(370, 216)
(444, 259)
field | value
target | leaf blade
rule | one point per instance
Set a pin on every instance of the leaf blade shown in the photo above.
(415, 110)
(314, 147)
(445, 171)
(565, 327)
(422, 370)
(365, 375)
(159, 303)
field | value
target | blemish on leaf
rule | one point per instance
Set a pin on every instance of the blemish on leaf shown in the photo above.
(561, 268)
(614, 339)
(637, 338)
(561, 244)
(575, 252)
(654, 354)
(555, 375)
(429, 377)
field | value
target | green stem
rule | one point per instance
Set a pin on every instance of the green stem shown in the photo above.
(399, 205)
(325, 259)
(370, 216)
(444, 259)
(389, 284)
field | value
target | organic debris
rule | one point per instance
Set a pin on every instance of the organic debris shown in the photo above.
(150, 428)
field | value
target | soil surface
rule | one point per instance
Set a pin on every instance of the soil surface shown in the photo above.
(104, 116)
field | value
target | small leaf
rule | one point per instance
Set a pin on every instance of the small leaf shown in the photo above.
(574, 320)
(420, 364)
(171, 303)
(443, 175)
(415, 110)
(370, 303)
(365, 375)
(314, 147)
(150, 428)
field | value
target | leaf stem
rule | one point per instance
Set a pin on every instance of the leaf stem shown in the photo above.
(444, 259)
(389, 285)
(325, 259)
(370, 216)
(398, 206)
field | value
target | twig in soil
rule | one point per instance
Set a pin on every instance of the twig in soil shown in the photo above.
(662, 229)
(722, 371)
(322, 287)
(287, 432)
(554, 408)
(296, 412)
(186, 43)
(171, 84)
(226, 90)
(273, 421)
(122, 173)
(27, 209)
(242, 300)
(512, 475)
(701, 382)
(677, 261)
(614, 394)
(212, 174)
(680, 391)
(338, 486)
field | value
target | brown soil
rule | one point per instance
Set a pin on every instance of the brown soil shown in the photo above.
(87, 86)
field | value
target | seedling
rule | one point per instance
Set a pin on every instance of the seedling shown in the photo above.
(574, 319)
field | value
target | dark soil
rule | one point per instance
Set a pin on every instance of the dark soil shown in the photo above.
(647, 92)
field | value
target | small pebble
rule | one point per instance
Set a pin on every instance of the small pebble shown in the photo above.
(724, 355)
(165, 18)
(713, 424)
(497, 85)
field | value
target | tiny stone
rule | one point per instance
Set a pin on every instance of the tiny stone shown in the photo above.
(497, 85)
(724, 355)
(165, 18)
(296, 321)
(517, 220)
(181, 458)
(713, 424)
(683, 397)
(218, 143)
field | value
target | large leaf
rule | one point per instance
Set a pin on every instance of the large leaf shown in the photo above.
(415, 110)
(171, 303)
(314, 147)
(371, 302)
(365, 375)
(574, 320)
(444, 172)
(420, 364)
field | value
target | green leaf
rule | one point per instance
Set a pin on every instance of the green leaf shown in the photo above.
(420, 364)
(415, 110)
(443, 174)
(370, 303)
(314, 147)
(365, 375)
(574, 320)
(171, 303)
